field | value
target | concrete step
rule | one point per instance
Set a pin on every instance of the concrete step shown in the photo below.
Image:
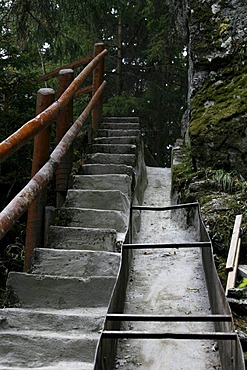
(120, 125)
(101, 158)
(103, 182)
(114, 148)
(58, 365)
(98, 199)
(116, 140)
(82, 238)
(72, 321)
(34, 349)
(43, 291)
(74, 263)
(111, 133)
(95, 218)
(103, 169)
(121, 119)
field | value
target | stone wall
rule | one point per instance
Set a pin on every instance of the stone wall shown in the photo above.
(216, 120)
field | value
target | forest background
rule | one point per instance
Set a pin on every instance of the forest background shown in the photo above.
(146, 71)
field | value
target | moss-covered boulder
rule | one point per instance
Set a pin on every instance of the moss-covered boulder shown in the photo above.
(218, 99)
(216, 120)
(218, 126)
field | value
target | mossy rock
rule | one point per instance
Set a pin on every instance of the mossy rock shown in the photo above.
(218, 127)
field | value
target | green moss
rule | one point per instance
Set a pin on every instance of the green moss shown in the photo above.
(182, 173)
(221, 195)
(224, 26)
(201, 15)
(215, 107)
(211, 29)
(205, 198)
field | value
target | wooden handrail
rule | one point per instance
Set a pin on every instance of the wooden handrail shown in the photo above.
(73, 65)
(13, 211)
(84, 90)
(45, 165)
(43, 120)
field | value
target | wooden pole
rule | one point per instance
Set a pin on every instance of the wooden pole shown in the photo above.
(98, 77)
(73, 65)
(35, 218)
(234, 244)
(64, 122)
(233, 274)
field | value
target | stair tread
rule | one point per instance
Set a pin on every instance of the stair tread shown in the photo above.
(64, 365)
(35, 290)
(121, 182)
(74, 216)
(74, 312)
(116, 140)
(68, 237)
(106, 158)
(73, 321)
(97, 199)
(101, 168)
(49, 334)
(75, 263)
(123, 118)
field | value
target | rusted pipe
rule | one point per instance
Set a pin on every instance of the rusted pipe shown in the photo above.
(40, 122)
(41, 152)
(16, 208)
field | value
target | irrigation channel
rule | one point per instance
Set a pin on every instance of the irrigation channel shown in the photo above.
(167, 321)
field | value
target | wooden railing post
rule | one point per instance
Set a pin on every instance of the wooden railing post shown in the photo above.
(35, 218)
(98, 77)
(64, 122)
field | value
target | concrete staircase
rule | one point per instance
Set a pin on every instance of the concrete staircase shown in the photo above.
(55, 314)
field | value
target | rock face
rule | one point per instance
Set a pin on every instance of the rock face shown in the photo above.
(216, 121)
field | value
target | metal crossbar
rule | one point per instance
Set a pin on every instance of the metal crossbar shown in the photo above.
(167, 245)
(144, 335)
(167, 208)
(168, 318)
(160, 209)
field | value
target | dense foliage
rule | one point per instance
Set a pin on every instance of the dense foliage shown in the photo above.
(146, 69)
